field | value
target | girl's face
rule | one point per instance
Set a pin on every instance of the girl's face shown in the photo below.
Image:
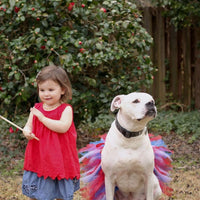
(50, 92)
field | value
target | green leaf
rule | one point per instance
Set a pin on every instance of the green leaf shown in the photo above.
(125, 24)
(37, 30)
(49, 32)
(99, 46)
(11, 74)
(45, 23)
(90, 81)
(38, 41)
(12, 4)
(22, 18)
(17, 76)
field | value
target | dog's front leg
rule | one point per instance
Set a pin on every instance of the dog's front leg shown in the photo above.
(149, 188)
(110, 189)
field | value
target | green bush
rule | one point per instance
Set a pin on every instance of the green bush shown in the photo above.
(99, 126)
(182, 123)
(185, 124)
(101, 44)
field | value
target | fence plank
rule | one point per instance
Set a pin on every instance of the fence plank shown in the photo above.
(197, 68)
(187, 66)
(180, 68)
(159, 57)
(148, 19)
(173, 61)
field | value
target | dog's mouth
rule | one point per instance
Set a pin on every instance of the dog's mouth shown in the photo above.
(150, 113)
(151, 109)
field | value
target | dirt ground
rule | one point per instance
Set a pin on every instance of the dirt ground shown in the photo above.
(185, 174)
(186, 168)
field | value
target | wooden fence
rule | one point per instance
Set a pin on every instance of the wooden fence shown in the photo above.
(176, 54)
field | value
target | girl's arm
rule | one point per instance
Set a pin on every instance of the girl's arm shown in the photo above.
(27, 130)
(59, 126)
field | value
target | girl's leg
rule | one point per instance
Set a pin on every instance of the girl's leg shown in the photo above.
(32, 199)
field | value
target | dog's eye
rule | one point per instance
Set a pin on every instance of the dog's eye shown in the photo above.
(136, 101)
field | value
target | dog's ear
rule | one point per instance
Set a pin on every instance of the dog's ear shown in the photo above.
(116, 103)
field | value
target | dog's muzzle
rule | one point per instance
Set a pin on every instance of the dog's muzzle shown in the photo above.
(151, 109)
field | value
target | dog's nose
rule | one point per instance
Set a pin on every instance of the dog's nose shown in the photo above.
(150, 104)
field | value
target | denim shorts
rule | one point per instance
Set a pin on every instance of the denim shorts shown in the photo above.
(48, 189)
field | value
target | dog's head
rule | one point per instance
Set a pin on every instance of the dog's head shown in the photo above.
(136, 106)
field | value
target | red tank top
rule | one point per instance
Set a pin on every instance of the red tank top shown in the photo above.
(55, 155)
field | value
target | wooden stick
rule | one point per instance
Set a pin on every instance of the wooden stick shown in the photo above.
(15, 125)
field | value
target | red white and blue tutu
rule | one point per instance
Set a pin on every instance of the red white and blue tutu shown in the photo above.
(93, 176)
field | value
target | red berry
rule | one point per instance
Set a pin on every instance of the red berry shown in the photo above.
(16, 9)
(11, 130)
(82, 50)
(103, 9)
(71, 5)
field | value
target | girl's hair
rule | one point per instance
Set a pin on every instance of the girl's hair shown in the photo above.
(58, 75)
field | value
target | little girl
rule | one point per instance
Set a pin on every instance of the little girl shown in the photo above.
(51, 165)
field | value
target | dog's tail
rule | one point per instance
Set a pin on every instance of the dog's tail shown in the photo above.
(93, 176)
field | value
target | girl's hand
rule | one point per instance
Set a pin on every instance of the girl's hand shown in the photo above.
(37, 113)
(27, 130)
(29, 135)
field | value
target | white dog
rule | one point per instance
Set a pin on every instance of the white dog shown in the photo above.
(128, 157)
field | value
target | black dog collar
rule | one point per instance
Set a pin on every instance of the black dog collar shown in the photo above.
(126, 133)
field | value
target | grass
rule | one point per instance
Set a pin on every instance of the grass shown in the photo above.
(185, 183)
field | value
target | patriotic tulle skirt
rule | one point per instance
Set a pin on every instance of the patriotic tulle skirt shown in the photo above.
(93, 176)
